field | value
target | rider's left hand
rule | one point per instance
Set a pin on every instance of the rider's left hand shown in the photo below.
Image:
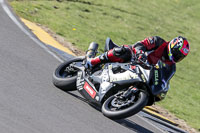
(88, 64)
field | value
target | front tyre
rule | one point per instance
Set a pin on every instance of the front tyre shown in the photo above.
(117, 108)
(64, 76)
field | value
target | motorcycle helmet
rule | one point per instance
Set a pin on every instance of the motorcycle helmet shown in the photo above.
(178, 48)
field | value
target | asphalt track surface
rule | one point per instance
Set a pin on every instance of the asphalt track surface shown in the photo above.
(29, 102)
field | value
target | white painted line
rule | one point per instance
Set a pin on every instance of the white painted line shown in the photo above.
(13, 18)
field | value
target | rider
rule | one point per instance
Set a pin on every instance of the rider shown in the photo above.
(159, 49)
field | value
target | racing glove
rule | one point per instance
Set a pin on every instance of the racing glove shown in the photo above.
(88, 63)
(141, 56)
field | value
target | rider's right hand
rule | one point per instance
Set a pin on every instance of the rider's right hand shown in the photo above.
(141, 56)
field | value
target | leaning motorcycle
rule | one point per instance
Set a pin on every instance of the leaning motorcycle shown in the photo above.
(120, 89)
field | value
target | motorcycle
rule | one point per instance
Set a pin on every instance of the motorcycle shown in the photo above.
(120, 89)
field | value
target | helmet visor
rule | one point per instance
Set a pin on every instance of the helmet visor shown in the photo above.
(177, 55)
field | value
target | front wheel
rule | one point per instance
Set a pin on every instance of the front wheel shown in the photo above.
(116, 107)
(65, 76)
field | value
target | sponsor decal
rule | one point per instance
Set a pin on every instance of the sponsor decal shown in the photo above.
(133, 75)
(123, 76)
(186, 51)
(79, 82)
(89, 90)
(156, 77)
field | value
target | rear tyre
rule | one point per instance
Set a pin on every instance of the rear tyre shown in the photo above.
(64, 77)
(116, 108)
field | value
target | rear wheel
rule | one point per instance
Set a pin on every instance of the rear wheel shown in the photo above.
(118, 106)
(65, 76)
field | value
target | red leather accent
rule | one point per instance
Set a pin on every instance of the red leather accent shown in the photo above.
(157, 54)
(95, 61)
(146, 42)
(134, 50)
(168, 62)
(89, 90)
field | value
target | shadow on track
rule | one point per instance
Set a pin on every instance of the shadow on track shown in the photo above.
(170, 126)
(123, 122)
(133, 126)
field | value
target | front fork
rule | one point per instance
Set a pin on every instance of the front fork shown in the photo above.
(128, 93)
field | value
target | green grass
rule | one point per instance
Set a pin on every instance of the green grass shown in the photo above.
(128, 21)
